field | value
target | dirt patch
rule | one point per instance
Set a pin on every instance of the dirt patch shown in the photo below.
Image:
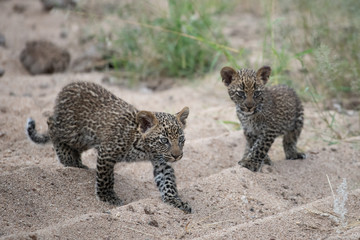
(41, 199)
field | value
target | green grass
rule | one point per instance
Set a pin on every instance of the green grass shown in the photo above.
(324, 37)
(310, 45)
(313, 47)
(181, 40)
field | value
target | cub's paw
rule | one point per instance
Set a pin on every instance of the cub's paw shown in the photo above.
(82, 166)
(297, 155)
(176, 202)
(254, 166)
(76, 165)
(111, 198)
(185, 207)
(268, 161)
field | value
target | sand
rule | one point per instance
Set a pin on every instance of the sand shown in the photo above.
(41, 199)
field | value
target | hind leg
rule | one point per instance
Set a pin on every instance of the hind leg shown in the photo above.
(289, 143)
(67, 156)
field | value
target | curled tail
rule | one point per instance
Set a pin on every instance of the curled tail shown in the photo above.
(34, 135)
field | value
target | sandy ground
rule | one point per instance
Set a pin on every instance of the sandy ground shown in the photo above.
(41, 199)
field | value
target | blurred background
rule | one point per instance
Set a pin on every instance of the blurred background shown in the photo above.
(161, 56)
(312, 46)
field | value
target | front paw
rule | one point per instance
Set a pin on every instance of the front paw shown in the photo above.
(185, 207)
(268, 161)
(111, 198)
(250, 164)
(80, 165)
(176, 202)
(296, 155)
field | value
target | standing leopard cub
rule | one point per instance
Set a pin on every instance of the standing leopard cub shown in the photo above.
(265, 113)
(88, 116)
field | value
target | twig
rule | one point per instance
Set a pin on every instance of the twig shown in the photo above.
(332, 191)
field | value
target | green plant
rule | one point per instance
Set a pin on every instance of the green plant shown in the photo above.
(184, 40)
(276, 49)
(332, 30)
(321, 36)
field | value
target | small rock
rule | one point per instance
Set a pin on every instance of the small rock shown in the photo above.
(153, 223)
(19, 8)
(131, 208)
(50, 4)
(33, 236)
(2, 72)
(198, 189)
(2, 40)
(352, 103)
(40, 57)
(63, 34)
(148, 211)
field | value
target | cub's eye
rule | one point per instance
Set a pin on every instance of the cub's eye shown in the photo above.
(182, 139)
(164, 140)
(257, 94)
(241, 94)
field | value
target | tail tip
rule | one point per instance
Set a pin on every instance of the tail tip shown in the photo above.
(30, 124)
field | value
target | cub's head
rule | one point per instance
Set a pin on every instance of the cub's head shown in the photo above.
(246, 87)
(163, 133)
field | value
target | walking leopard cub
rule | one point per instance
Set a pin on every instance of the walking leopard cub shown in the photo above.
(265, 113)
(88, 116)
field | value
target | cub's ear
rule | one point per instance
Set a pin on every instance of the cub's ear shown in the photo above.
(263, 74)
(146, 121)
(182, 116)
(227, 74)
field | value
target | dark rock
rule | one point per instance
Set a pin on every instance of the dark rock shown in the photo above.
(19, 8)
(2, 40)
(148, 211)
(63, 34)
(153, 223)
(50, 4)
(2, 72)
(44, 57)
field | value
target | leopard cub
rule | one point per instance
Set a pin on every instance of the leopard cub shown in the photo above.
(265, 113)
(88, 116)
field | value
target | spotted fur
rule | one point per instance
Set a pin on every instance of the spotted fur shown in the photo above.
(265, 113)
(88, 116)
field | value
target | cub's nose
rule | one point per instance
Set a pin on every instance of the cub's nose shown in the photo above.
(249, 105)
(176, 155)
